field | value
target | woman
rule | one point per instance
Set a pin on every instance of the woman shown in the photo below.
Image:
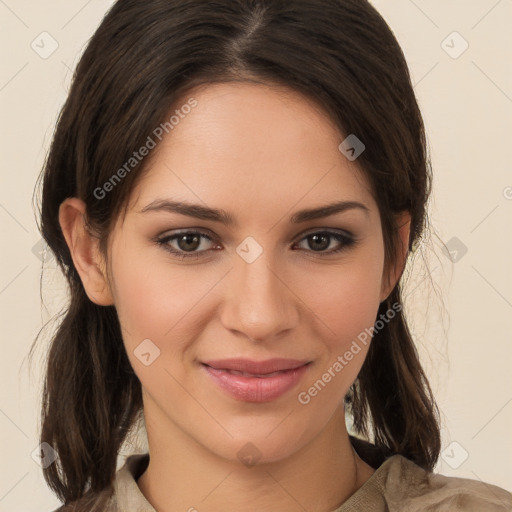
(232, 191)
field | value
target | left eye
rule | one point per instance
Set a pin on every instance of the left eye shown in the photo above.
(321, 240)
(188, 243)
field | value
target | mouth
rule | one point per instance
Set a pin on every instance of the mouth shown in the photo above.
(256, 381)
(256, 368)
(245, 374)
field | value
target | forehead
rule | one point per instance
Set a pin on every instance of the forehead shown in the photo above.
(251, 148)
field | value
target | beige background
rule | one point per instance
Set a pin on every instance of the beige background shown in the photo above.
(462, 317)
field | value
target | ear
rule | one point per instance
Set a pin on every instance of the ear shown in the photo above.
(84, 250)
(393, 270)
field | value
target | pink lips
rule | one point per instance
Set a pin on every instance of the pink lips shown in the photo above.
(256, 381)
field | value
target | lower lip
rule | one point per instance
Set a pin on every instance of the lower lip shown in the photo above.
(256, 389)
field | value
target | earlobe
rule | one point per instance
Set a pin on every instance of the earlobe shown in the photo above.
(394, 269)
(84, 250)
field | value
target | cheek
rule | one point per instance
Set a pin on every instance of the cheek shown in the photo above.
(346, 305)
(151, 302)
(345, 298)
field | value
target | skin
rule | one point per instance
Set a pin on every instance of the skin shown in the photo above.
(261, 153)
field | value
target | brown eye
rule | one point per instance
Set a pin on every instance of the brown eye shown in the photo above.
(188, 242)
(185, 244)
(320, 241)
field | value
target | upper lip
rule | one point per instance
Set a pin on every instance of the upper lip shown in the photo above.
(256, 367)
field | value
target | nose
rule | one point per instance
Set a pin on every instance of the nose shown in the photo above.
(258, 301)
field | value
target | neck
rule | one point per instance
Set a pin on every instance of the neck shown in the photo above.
(184, 476)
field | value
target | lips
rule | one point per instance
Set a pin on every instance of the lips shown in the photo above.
(255, 368)
(255, 381)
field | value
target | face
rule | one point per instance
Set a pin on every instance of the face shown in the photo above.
(272, 283)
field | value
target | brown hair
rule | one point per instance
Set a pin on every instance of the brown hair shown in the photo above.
(143, 57)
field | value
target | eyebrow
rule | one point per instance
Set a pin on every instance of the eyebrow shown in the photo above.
(219, 215)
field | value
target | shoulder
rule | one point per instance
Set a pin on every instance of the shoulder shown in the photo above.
(406, 486)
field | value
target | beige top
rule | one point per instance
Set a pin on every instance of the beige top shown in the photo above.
(397, 485)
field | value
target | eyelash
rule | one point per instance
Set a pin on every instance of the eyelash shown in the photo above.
(347, 241)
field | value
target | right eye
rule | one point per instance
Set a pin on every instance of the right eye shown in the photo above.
(185, 245)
